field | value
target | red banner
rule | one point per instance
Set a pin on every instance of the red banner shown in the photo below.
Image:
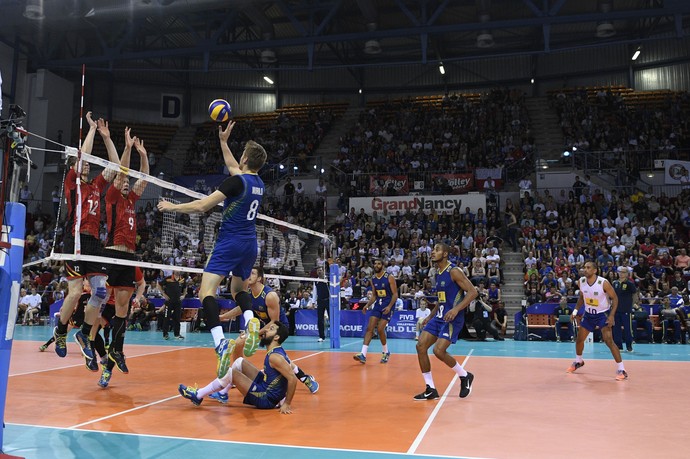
(380, 184)
(460, 183)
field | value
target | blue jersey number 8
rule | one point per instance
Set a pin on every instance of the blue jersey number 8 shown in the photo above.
(253, 207)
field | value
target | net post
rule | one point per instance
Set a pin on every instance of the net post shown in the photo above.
(334, 304)
(10, 281)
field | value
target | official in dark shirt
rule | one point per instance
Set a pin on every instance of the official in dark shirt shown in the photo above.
(563, 320)
(626, 291)
(172, 292)
(322, 301)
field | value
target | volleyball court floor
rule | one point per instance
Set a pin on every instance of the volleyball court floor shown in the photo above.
(523, 403)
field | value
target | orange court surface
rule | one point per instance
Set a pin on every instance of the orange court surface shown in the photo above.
(523, 404)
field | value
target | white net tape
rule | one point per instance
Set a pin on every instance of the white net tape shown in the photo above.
(181, 239)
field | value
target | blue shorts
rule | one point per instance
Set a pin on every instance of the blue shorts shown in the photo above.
(441, 329)
(591, 322)
(377, 311)
(236, 256)
(259, 397)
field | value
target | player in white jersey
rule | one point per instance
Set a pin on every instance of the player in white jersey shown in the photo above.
(600, 301)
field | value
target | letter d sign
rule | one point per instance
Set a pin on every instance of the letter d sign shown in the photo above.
(171, 106)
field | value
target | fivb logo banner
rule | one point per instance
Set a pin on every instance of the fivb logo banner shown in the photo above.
(353, 324)
(402, 325)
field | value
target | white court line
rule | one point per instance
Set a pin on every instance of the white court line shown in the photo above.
(122, 412)
(307, 356)
(427, 425)
(82, 364)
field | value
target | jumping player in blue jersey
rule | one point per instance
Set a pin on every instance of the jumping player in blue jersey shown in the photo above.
(384, 294)
(444, 324)
(236, 245)
(266, 308)
(272, 387)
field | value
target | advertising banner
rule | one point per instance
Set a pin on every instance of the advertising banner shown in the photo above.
(353, 324)
(441, 203)
(378, 184)
(460, 183)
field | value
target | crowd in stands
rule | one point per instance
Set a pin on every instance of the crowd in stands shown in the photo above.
(628, 133)
(287, 136)
(404, 242)
(642, 232)
(412, 137)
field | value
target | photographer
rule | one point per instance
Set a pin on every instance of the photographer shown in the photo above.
(482, 319)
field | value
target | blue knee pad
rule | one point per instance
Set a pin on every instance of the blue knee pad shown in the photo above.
(99, 292)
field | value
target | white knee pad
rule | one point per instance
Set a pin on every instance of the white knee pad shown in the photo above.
(237, 364)
(99, 292)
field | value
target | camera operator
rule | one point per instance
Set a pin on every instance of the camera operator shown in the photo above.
(482, 319)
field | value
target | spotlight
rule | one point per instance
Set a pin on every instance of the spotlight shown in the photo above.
(636, 54)
(441, 69)
(566, 153)
(267, 79)
(281, 167)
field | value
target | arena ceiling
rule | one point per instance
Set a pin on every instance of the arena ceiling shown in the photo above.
(200, 35)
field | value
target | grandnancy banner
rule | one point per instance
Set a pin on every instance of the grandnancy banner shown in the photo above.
(441, 203)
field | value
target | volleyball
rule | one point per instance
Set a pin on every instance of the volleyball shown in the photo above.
(219, 110)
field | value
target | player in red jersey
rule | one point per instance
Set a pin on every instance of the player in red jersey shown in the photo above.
(86, 198)
(120, 205)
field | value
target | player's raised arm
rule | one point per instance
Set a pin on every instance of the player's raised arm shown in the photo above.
(113, 157)
(230, 161)
(87, 146)
(127, 152)
(140, 184)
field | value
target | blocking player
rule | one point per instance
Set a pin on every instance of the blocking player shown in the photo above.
(120, 204)
(85, 198)
(384, 295)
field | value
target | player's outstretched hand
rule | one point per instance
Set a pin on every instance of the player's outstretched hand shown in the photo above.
(224, 134)
(165, 206)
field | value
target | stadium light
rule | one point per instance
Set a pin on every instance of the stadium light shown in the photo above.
(636, 54)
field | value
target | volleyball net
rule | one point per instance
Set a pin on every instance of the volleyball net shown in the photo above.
(173, 241)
